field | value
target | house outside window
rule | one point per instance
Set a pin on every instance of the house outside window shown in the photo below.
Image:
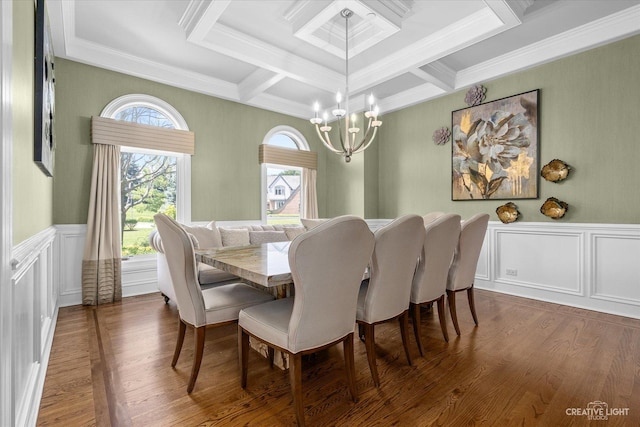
(281, 184)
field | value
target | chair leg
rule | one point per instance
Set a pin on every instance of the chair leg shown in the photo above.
(295, 378)
(404, 329)
(349, 362)
(370, 345)
(361, 331)
(415, 310)
(243, 352)
(472, 304)
(197, 357)
(443, 318)
(182, 327)
(451, 298)
(271, 354)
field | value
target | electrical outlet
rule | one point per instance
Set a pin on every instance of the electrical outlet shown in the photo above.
(512, 272)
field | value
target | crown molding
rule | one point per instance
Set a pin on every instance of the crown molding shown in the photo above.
(114, 60)
(588, 36)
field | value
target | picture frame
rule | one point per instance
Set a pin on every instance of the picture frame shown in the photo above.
(494, 150)
(44, 92)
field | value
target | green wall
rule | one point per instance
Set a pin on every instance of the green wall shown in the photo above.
(32, 190)
(225, 169)
(589, 117)
(589, 105)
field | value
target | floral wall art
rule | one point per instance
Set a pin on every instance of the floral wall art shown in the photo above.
(495, 149)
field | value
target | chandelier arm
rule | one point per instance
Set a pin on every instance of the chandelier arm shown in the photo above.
(326, 140)
(375, 130)
(344, 149)
(364, 138)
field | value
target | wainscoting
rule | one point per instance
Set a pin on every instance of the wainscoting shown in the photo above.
(592, 266)
(138, 274)
(32, 317)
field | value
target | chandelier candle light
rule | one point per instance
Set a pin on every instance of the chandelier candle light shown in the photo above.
(347, 131)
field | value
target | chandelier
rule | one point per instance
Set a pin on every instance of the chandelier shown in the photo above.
(348, 132)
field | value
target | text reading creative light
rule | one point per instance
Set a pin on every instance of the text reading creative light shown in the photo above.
(347, 131)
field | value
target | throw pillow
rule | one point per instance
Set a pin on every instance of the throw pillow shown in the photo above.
(260, 237)
(234, 236)
(206, 237)
(310, 223)
(293, 232)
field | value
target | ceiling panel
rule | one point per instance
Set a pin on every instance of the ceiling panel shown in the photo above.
(283, 55)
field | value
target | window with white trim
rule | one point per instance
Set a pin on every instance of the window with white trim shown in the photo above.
(282, 206)
(151, 181)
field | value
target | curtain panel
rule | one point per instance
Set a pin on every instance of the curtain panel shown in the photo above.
(101, 261)
(309, 194)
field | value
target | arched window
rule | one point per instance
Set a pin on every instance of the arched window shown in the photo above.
(151, 181)
(282, 184)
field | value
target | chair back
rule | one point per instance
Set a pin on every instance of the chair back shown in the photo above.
(431, 216)
(441, 238)
(178, 249)
(465, 261)
(393, 265)
(327, 265)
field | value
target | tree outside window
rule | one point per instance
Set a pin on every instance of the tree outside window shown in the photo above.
(147, 184)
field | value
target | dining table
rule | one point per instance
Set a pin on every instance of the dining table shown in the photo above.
(264, 266)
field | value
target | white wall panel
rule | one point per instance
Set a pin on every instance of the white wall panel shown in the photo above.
(616, 268)
(540, 260)
(70, 246)
(33, 312)
(591, 266)
(25, 354)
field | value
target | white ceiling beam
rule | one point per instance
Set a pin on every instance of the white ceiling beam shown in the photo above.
(409, 97)
(437, 74)
(511, 12)
(200, 16)
(256, 83)
(281, 105)
(472, 29)
(227, 41)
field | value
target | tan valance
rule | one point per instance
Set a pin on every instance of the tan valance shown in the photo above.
(118, 132)
(287, 156)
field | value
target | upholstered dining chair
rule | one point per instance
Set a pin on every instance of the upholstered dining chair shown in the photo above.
(430, 280)
(465, 261)
(385, 295)
(327, 264)
(197, 307)
(431, 216)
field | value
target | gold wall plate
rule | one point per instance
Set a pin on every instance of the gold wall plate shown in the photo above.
(554, 208)
(556, 170)
(508, 213)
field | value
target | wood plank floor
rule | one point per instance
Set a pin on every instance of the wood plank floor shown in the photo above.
(527, 364)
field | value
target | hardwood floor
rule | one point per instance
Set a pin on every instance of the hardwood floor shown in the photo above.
(528, 363)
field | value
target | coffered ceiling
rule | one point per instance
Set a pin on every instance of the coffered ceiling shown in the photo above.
(282, 55)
